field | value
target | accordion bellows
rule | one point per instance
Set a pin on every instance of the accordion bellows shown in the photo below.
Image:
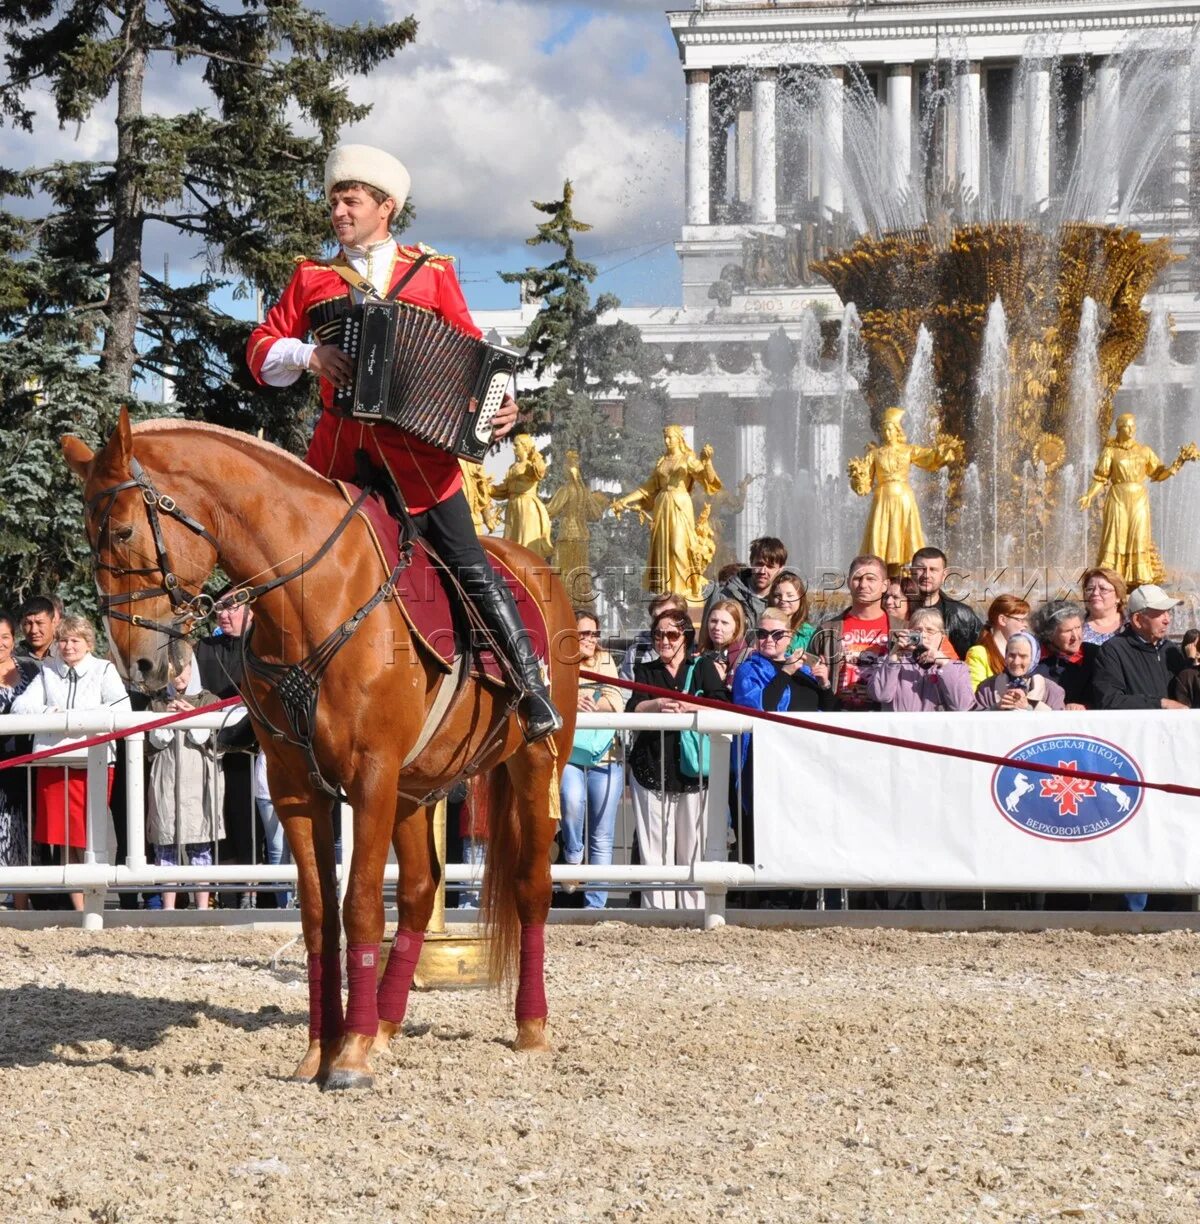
(414, 370)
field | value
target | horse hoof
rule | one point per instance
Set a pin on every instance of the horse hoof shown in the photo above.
(383, 1038)
(531, 1037)
(312, 1066)
(342, 1080)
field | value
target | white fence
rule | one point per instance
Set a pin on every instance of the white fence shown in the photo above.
(96, 876)
(830, 811)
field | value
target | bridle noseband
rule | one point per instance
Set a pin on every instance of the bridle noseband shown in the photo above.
(187, 606)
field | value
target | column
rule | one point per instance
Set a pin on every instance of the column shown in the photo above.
(967, 98)
(752, 458)
(1102, 131)
(832, 105)
(1037, 138)
(899, 125)
(697, 157)
(744, 161)
(763, 93)
(1181, 142)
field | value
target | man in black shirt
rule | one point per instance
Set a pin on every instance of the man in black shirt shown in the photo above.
(962, 625)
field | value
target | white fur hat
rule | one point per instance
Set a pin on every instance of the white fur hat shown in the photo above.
(355, 163)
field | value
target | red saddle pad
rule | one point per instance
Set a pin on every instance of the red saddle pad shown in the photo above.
(424, 592)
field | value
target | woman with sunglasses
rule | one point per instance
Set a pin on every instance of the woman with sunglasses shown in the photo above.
(668, 804)
(772, 679)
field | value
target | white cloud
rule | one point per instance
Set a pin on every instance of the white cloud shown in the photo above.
(495, 104)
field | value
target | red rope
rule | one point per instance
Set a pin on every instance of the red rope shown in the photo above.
(108, 737)
(891, 741)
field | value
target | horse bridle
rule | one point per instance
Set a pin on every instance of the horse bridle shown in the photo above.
(188, 607)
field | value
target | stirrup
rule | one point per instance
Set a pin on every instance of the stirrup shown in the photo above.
(537, 716)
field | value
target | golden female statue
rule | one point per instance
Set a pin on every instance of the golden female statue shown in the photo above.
(574, 506)
(1126, 543)
(525, 517)
(893, 529)
(666, 497)
(478, 489)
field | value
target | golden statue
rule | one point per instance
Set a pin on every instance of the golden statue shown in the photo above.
(706, 541)
(1126, 543)
(525, 517)
(666, 498)
(893, 529)
(478, 490)
(574, 506)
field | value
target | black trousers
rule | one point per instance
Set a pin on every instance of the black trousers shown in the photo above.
(448, 526)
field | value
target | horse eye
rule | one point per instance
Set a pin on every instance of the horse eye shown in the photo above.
(123, 534)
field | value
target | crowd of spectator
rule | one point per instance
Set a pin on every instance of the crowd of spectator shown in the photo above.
(901, 644)
(202, 788)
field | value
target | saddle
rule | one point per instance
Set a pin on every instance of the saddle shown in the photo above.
(430, 601)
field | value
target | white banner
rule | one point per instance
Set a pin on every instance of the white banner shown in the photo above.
(836, 811)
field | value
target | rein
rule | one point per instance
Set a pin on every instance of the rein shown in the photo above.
(188, 607)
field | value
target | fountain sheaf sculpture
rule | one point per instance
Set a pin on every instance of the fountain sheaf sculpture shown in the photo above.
(525, 517)
(893, 529)
(1016, 303)
(665, 497)
(1126, 540)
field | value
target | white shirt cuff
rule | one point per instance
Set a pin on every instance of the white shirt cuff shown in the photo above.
(285, 361)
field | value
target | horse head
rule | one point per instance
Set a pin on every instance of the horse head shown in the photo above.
(151, 556)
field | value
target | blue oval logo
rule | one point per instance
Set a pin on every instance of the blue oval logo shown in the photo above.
(1063, 808)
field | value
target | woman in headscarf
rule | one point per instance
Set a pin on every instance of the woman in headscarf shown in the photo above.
(1017, 687)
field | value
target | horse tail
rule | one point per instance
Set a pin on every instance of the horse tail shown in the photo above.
(501, 919)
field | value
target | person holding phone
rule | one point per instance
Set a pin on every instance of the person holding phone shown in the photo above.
(917, 674)
(1018, 686)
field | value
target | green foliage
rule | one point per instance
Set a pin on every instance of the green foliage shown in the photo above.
(49, 389)
(587, 366)
(236, 179)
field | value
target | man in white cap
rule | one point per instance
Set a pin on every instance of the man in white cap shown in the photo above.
(366, 188)
(1131, 668)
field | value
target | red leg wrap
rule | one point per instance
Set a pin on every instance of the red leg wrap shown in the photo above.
(531, 990)
(398, 976)
(362, 970)
(324, 995)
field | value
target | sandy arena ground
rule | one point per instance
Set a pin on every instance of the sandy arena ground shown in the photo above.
(749, 1075)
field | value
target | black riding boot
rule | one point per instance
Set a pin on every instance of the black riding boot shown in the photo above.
(491, 598)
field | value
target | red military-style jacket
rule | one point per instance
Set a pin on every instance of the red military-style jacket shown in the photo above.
(424, 474)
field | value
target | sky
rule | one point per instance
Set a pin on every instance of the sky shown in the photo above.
(494, 105)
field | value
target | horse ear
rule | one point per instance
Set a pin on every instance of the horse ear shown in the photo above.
(79, 456)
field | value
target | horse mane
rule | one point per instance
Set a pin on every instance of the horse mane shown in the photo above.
(253, 447)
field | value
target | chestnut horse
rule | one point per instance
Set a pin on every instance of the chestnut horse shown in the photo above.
(166, 502)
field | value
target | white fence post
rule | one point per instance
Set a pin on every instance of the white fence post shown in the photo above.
(134, 814)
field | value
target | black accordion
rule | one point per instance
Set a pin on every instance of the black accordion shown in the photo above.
(414, 370)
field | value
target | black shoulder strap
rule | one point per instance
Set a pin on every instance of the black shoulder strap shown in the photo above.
(395, 293)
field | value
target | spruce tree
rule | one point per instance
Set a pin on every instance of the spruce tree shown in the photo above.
(235, 181)
(585, 366)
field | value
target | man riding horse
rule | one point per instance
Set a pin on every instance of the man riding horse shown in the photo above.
(366, 189)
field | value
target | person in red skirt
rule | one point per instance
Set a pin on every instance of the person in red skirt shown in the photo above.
(73, 679)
